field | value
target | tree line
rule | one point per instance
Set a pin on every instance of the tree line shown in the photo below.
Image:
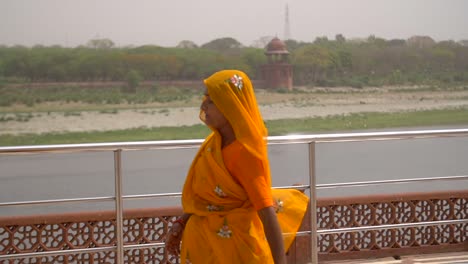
(324, 62)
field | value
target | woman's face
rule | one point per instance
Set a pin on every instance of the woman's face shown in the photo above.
(213, 117)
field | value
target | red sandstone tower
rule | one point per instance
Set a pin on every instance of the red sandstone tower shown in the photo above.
(278, 71)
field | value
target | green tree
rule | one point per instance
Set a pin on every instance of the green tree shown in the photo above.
(321, 40)
(133, 81)
(254, 59)
(311, 63)
(340, 38)
(187, 44)
(100, 43)
(293, 45)
(222, 44)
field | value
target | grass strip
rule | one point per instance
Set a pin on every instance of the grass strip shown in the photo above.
(361, 121)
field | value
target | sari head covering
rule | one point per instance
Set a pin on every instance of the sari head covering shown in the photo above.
(233, 94)
(224, 226)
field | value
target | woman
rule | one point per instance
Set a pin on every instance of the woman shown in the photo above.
(231, 214)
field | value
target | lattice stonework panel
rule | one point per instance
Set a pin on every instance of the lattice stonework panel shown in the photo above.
(405, 212)
(145, 230)
(406, 237)
(149, 256)
(103, 233)
(364, 214)
(79, 234)
(76, 235)
(145, 226)
(50, 235)
(26, 238)
(392, 212)
(91, 258)
(460, 208)
(461, 233)
(324, 217)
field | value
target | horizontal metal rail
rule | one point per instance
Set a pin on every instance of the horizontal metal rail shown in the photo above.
(382, 227)
(366, 183)
(165, 144)
(78, 251)
(387, 135)
(111, 146)
(155, 195)
(393, 226)
(59, 201)
(179, 194)
(141, 246)
(112, 198)
(57, 253)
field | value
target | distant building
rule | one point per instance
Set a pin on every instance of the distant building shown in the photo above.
(278, 71)
(421, 42)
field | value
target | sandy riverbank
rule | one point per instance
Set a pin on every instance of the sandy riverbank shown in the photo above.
(273, 106)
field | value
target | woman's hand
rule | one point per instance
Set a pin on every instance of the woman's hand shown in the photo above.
(173, 238)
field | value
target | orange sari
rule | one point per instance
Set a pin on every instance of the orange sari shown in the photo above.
(224, 226)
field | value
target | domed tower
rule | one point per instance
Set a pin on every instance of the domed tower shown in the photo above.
(277, 72)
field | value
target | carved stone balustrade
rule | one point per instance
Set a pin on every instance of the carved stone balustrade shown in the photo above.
(91, 230)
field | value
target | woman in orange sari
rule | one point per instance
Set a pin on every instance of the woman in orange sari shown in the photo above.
(231, 214)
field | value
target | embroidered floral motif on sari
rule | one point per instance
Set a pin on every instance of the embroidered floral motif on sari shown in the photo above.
(219, 191)
(237, 81)
(214, 208)
(224, 231)
(278, 205)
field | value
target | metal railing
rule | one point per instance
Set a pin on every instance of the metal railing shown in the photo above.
(310, 140)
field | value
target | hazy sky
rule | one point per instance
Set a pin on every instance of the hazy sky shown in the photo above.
(166, 23)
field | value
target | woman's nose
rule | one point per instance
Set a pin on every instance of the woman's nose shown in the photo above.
(204, 103)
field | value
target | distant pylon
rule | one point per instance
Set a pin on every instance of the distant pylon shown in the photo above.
(287, 32)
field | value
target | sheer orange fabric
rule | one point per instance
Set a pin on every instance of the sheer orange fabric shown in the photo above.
(248, 171)
(224, 226)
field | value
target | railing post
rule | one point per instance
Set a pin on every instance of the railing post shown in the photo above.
(313, 204)
(118, 205)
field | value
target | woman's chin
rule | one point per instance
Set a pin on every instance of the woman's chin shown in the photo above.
(207, 123)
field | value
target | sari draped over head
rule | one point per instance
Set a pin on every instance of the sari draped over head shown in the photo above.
(224, 226)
